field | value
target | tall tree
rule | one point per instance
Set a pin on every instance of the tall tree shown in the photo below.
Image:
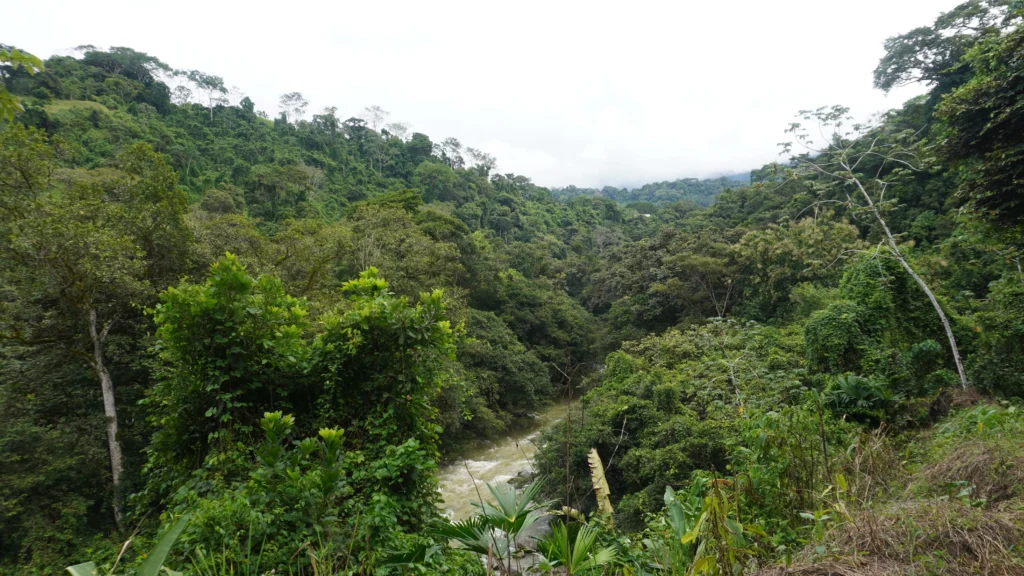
(854, 167)
(399, 130)
(932, 54)
(375, 116)
(482, 161)
(293, 105)
(985, 130)
(212, 87)
(450, 150)
(80, 259)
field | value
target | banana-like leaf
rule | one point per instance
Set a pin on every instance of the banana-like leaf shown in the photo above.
(84, 569)
(676, 518)
(601, 489)
(155, 559)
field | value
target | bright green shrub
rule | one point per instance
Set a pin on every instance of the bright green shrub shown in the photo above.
(229, 350)
(836, 338)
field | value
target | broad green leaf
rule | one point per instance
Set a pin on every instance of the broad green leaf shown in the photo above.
(84, 569)
(705, 564)
(155, 559)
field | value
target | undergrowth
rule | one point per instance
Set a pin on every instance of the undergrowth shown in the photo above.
(953, 506)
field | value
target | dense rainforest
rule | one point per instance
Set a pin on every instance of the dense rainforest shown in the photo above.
(232, 343)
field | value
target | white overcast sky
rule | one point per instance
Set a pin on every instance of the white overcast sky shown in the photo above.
(588, 93)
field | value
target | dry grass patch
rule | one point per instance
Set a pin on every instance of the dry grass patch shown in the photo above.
(920, 537)
(995, 469)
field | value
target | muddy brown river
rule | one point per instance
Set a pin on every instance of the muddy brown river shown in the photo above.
(493, 462)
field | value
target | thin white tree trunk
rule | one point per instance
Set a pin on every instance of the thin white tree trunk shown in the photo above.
(894, 248)
(942, 316)
(110, 411)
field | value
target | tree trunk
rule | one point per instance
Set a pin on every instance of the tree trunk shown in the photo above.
(894, 248)
(110, 411)
(942, 316)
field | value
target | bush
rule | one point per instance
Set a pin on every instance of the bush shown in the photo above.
(997, 364)
(836, 339)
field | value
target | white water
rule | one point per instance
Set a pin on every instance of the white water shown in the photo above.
(493, 462)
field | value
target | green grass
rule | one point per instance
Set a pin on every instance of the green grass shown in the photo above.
(58, 106)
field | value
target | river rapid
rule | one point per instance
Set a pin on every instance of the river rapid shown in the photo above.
(494, 462)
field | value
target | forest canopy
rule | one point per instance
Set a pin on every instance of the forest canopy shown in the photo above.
(244, 343)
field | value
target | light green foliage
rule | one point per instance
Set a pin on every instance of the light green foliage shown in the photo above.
(436, 182)
(298, 491)
(703, 531)
(574, 548)
(154, 562)
(379, 361)
(780, 257)
(784, 456)
(388, 239)
(680, 518)
(836, 339)
(236, 347)
(672, 404)
(230, 348)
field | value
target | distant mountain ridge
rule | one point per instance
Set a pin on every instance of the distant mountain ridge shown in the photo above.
(702, 192)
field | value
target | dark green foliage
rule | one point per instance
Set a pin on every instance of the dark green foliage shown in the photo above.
(997, 363)
(701, 192)
(51, 485)
(934, 54)
(985, 119)
(862, 398)
(506, 374)
(556, 328)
